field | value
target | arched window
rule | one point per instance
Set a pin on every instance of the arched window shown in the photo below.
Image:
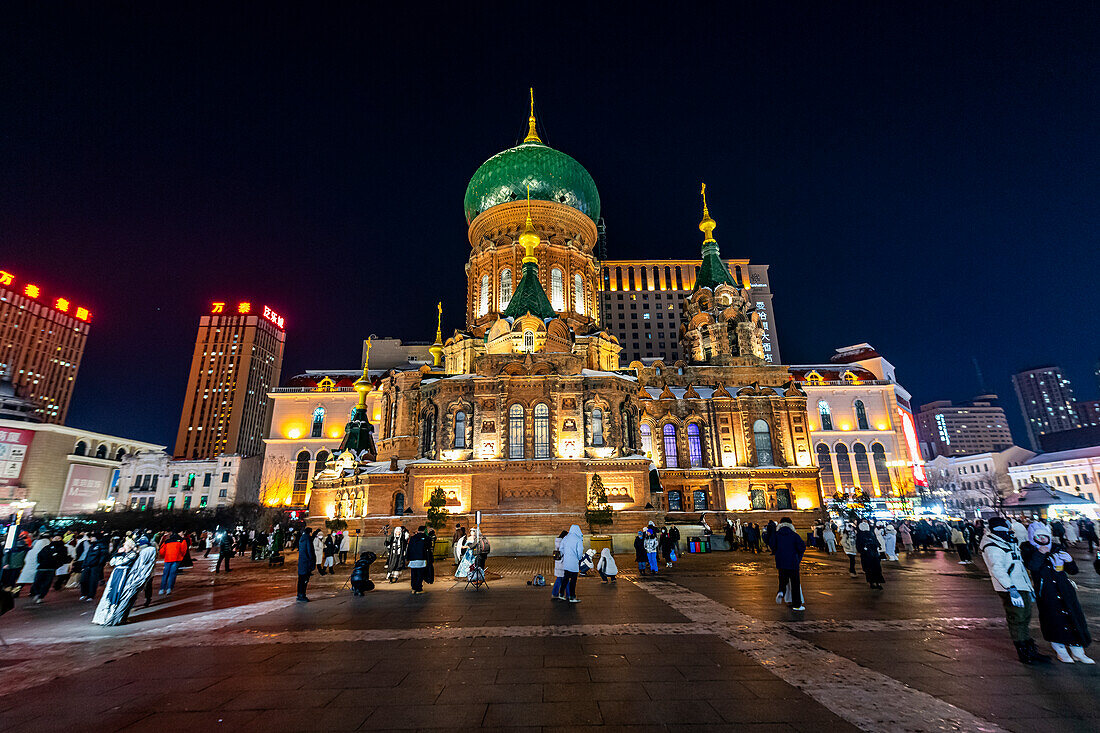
(483, 296)
(826, 415)
(861, 415)
(844, 467)
(320, 461)
(863, 467)
(647, 438)
(669, 431)
(557, 290)
(301, 479)
(699, 500)
(505, 288)
(825, 462)
(460, 429)
(878, 454)
(427, 436)
(528, 341)
(695, 445)
(578, 294)
(542, 430)
(399, 503)
(80, 449)
(101, 451)
(762, 437)
(597, 426)
(783, 499)
(675, 501)
(120, 454)
(515, 431)
(318, 423)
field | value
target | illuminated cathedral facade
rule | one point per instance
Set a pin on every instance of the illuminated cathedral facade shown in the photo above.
(528, 400)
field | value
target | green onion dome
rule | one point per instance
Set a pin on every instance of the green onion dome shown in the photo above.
(551, 174)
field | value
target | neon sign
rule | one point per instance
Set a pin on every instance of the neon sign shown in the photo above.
(245, 308)
(914, 449)
(31, 290)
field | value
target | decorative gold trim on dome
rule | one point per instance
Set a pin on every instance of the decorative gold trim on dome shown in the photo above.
(707, 225)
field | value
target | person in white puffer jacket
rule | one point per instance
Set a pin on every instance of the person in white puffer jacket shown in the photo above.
(1010, 579)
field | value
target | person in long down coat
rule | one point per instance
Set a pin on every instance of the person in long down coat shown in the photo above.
(397, 545)
(30, 562)
(307, 561)
(870, 555)
(318, 550)
(133, 567)
(1060, 617)
(639, 552)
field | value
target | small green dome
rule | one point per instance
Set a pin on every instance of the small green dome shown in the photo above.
(551, 174)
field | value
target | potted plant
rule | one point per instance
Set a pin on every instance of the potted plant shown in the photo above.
(437, 520)
(598, 513)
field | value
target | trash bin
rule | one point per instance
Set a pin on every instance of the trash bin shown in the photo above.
(699, 544)
(600, 541)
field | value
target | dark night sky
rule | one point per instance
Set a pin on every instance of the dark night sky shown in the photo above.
(923, 177)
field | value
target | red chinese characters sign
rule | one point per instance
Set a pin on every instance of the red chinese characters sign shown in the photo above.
(35, 292)
(245, 308)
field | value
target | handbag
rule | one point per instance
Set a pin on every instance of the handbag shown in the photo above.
(672, 555)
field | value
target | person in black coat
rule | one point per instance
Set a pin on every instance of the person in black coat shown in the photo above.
(50, 558)
(416, 557)
(640, 554)
(1061, 619)
(91, 570)
(360, 574)
(307, 560)
(870, 555)
(225, 551)
(789, 549)
(769, 535)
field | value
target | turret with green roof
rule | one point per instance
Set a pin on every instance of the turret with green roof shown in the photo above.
(529, 296)
(712, 272)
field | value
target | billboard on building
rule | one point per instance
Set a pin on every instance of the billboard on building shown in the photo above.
(14, 444)
(84, 488)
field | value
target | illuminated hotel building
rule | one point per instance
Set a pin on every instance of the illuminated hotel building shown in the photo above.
(42, 339)
(237, 359)
(640, 302)
(977, 426)
(1047, 402)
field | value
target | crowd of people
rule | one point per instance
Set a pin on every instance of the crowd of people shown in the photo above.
(123, 563)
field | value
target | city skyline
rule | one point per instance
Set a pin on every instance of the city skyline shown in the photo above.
(200, 173)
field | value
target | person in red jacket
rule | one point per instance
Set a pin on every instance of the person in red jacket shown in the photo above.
(173, 550)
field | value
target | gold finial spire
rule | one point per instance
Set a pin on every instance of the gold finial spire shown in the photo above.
(532, 134)
(530, 238)
(436, 349)
(363, 385)
(707, 225)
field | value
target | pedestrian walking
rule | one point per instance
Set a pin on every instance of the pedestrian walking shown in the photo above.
(49, 559)
(639, 551)
(458, 542)
(14, 558)
(958, 539)
(91, 569)
(416, 557)
(331, 547)
(30, 561)
(789, 549)
(345, 547)
(307, 560)
(318, 550)
(652, 545)
(870, 555)
(665, 545)
(1061, 619)
(906, 535)
(606, 566)
(1012, 583)
(572, 550)
(559, 570)
(133, 570)
(829, 535)
(848, 543)
(890, 541)
(172, 551)
(395, 562)
(225, 551)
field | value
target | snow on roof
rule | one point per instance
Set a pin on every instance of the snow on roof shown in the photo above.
(598, 373)
(1064, 455)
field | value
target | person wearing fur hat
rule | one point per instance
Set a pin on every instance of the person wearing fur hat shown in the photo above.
(1013, 584)
(1060, 617)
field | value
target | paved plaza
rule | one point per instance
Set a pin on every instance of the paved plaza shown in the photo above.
(701, 648)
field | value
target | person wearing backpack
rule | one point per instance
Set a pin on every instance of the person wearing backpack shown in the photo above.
(559, 570)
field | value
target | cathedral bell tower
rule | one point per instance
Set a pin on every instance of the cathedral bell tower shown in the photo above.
(720, 326)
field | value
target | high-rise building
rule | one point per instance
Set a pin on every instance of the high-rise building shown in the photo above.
(42, 337)
(237, 360)
(963, 429)
(1047, 402)
(1088, 412)
(641, 304)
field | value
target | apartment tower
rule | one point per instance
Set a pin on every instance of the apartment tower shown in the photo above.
(1047, 402)
(237, 359)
